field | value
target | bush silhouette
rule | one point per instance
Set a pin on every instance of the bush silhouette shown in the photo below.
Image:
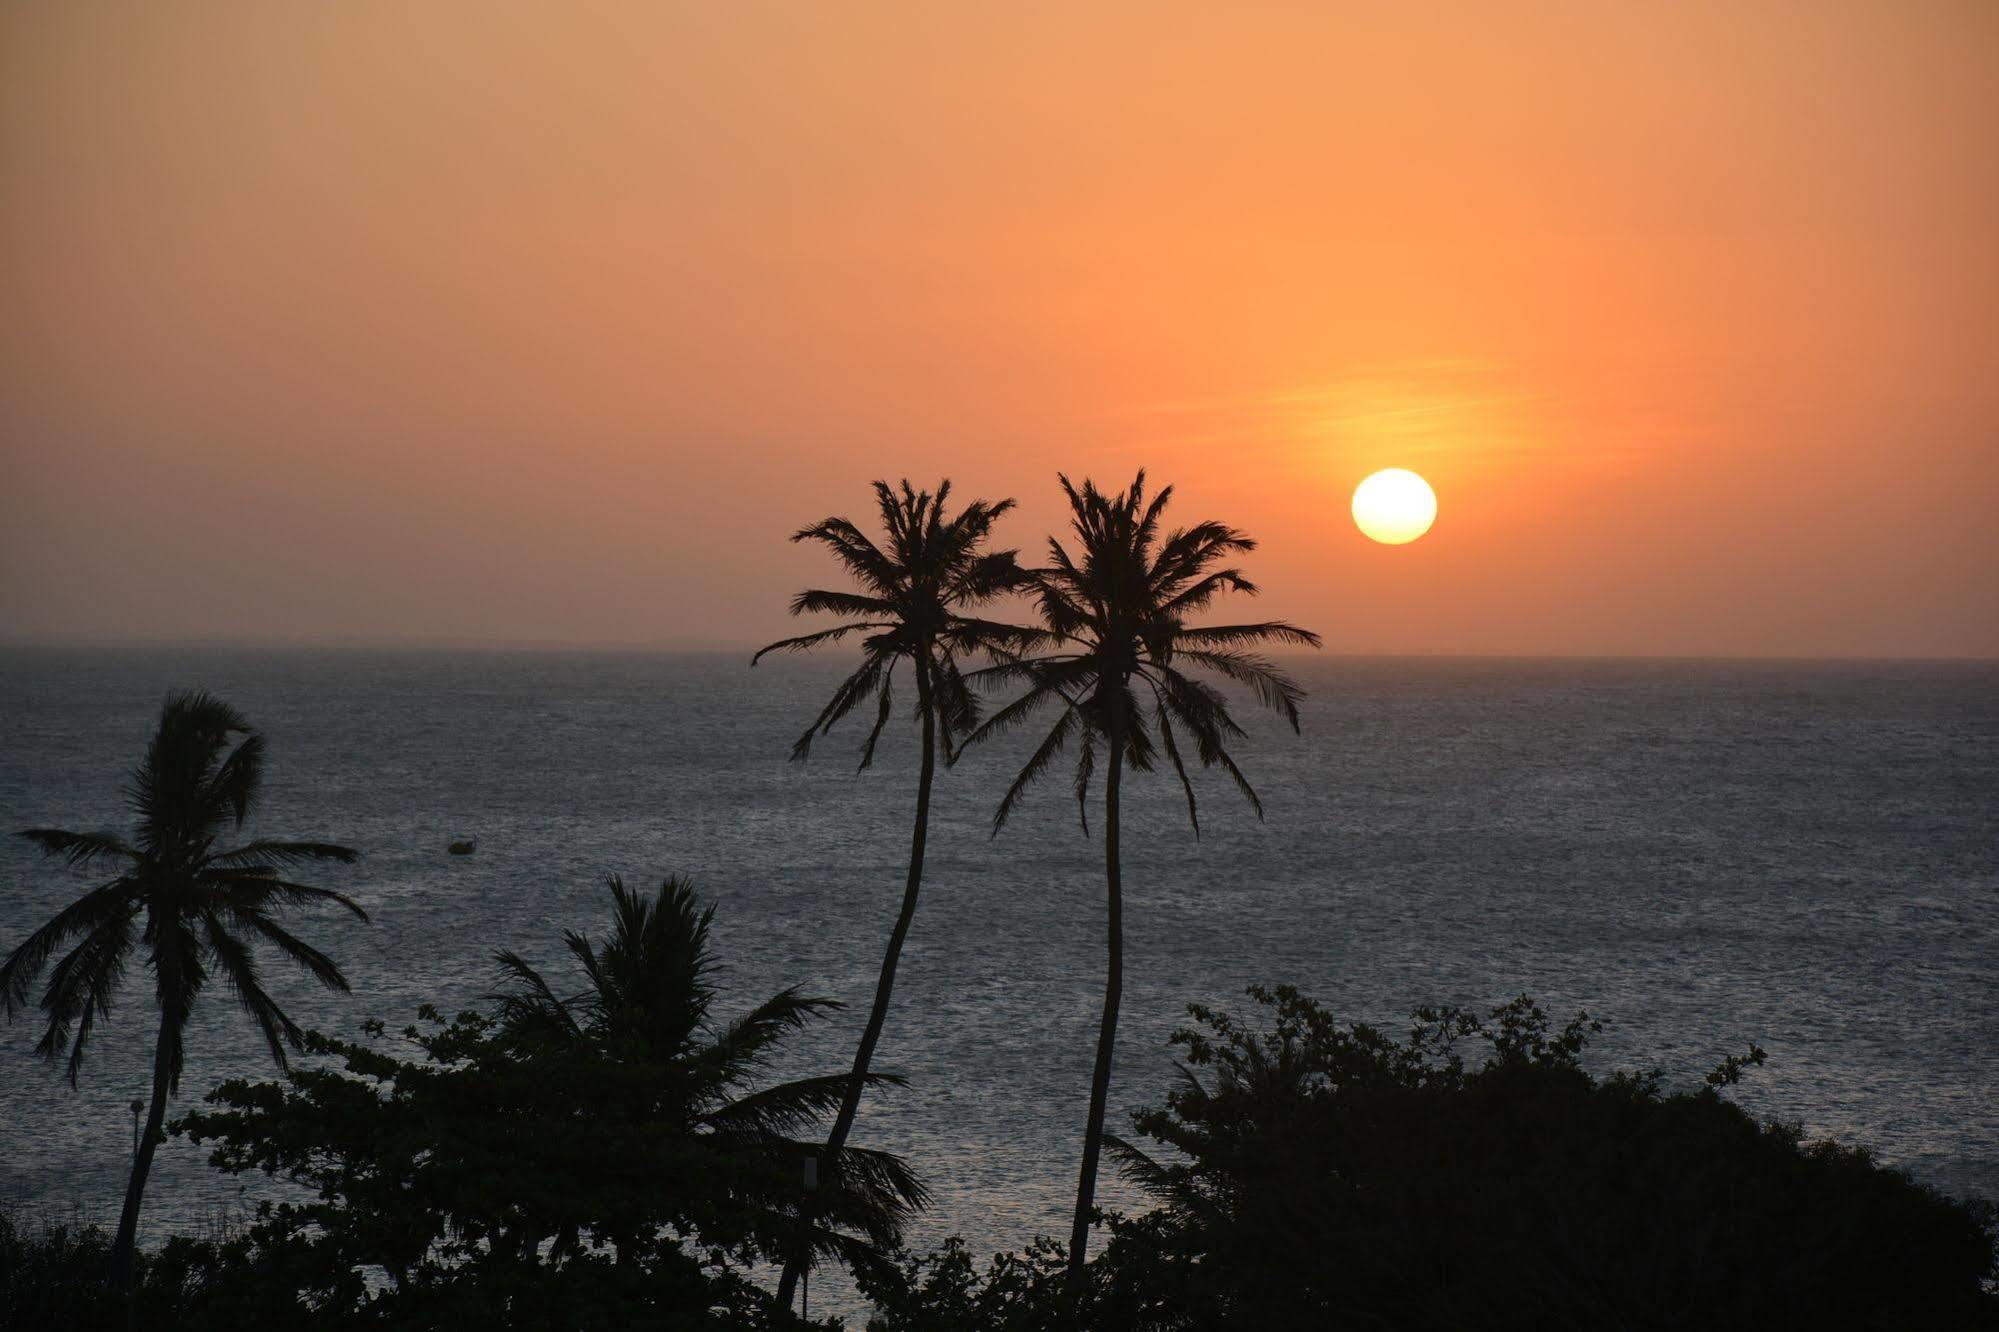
(1474, 1174)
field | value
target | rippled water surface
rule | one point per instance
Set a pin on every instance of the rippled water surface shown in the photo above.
(1802, 855)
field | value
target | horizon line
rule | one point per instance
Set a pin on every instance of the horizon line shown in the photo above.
(729, 647)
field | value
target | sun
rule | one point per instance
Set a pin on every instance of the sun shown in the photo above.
(1394, 506)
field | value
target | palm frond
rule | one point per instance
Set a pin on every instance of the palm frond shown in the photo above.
(1274, 689)
(806, 642)
(855, 688)
(80, 990)
(1086, 766)
(115, 900)
(321, 967)
(532, 1011)
(1204, 590)
(1052, 680)
(789, 1107)
(262, 852)
(881, 1180)
(1138, 1167)
(254, 887)
(1234, 635)
(746, 1041)
(1241, 782)
(233, 789)
(1165, 722)
(862, 558)
(239, 969)
(78, 849)
(1037, 763)
(819, 601)
(886, 692)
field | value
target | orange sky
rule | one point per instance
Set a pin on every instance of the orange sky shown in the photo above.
(550, 322)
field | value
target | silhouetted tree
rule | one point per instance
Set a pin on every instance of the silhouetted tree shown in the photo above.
(1112, 658)
(192, 909)
(585, 1159)
(910, 609)
(645, 1010)
(1474, 1174)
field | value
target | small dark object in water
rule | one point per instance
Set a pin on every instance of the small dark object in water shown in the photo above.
(462, 848)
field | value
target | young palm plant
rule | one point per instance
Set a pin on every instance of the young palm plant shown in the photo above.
(1114, 660)
(644, 1012)
(193, 910)
(911, 606)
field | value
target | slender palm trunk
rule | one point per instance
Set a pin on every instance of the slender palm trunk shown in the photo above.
(850, 1104)
(1100, 1081)
(124, 1250)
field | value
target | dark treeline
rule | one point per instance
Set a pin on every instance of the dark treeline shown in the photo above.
(599, 1147)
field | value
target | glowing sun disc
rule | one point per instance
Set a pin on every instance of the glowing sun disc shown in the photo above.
(1394, 506)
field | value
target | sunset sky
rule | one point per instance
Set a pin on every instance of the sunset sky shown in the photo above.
(550, 322)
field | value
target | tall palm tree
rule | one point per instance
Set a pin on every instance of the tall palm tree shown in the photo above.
(1113, 659)
(645, 1007)
(914, 592)
(192, 909)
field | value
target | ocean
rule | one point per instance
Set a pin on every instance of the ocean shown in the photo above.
(1703, 853)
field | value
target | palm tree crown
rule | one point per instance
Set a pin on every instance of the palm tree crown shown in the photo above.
(645, 1007)
(1117, 639)
(196, 910)
(911, 606)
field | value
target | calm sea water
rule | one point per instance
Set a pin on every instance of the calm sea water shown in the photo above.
(1707, 854)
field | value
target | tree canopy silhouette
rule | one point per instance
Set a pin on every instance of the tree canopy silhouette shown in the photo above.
(193, 910)
(588, 1149)
(645, 1011)
(1473, 1173)
(1113, 658)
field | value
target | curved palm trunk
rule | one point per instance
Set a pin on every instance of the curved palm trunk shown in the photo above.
(850, 1104)
(1100, 1082)
(123, 1251)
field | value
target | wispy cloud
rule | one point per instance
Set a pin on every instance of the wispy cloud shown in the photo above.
(1457, 409)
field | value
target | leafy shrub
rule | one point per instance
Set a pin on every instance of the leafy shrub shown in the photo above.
(1315, 1175)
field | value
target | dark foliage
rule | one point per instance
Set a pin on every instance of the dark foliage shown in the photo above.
(601, 1159)
(1015, 1293)
(58, 1275)
(1475, 1175)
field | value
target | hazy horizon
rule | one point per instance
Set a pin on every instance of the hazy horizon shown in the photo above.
(498, 323)
(746, 648)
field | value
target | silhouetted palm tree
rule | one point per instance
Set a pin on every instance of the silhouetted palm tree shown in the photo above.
(911, 608)
(193, 910)
(1113, 652)
(645, 1006)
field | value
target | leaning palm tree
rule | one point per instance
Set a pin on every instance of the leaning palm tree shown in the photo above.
(914, 592)
(1113, 659)
(644, 1011)
(192, 909)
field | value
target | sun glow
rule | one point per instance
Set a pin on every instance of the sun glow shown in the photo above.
(1394, 506)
